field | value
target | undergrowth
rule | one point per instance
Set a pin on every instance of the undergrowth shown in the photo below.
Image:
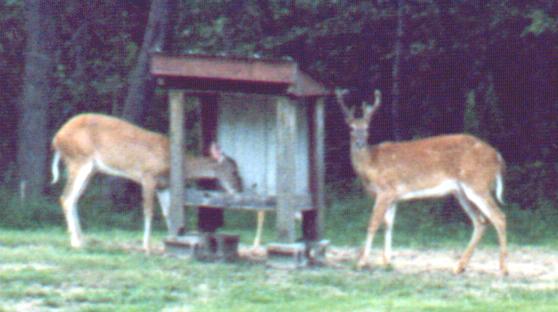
(427, 223)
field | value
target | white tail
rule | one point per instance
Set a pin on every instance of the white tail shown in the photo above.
(499, 187)
(90, 143)
(459, 164)
(54, 167)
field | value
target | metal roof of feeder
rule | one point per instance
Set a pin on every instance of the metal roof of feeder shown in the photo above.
(234, 74)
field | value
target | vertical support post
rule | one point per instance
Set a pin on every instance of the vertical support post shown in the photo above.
(176, 213)
(286, 168)
(313, 222)
(209, 218)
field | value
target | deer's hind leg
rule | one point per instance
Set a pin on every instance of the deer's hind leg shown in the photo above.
(490, 210)
(479, 227)
(79, 174)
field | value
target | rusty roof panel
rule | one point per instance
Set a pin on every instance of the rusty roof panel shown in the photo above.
(240, 72)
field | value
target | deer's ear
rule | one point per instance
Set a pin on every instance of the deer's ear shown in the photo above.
(215, 152)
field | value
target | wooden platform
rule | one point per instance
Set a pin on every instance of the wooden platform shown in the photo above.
(216, 199)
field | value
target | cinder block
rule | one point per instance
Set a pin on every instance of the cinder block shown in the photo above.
(219, 247)
(204, 246)
(316, 251)
(288, 256)
(188, 245)
(227, 246)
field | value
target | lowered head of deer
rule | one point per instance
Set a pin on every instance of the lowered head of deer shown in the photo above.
(217, 166)
(460, 165)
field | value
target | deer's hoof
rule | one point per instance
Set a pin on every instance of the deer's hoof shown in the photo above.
(364, 263)
(504, 271)
(77, 243)
(386, 261)
(459, 269)
(147, 250)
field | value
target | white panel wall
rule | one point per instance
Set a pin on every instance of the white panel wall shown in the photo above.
(247, 132)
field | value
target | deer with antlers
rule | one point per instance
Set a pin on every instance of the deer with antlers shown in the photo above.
(90, 143)
(392, 172)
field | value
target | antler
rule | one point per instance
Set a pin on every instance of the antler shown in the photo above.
(369, 110)
(348, 112)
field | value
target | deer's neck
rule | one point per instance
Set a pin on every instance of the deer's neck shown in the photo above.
(364, 160)
(201, 167)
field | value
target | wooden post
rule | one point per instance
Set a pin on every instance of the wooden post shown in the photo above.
(176, 111)
(319, 164)
(286, 168)
(209, 218)
(313, 221)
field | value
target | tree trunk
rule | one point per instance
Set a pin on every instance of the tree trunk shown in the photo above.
(396, 74)
(141, 85)
(543, 98)
(450, 69)
(37, 95)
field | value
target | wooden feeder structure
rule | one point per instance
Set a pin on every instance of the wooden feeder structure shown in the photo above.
(269, 117)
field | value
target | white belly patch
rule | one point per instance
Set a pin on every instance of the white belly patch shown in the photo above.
(442, 189)
(104, 168)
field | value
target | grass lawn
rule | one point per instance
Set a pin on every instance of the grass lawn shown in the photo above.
(39, 272)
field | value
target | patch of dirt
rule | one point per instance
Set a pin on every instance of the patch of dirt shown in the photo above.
(524, 263)
(17, 267)
(533, 266)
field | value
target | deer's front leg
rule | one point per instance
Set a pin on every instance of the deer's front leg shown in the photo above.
(259, 229)
(164, 201)
(389, 220)
(148, 194)
(380, 207)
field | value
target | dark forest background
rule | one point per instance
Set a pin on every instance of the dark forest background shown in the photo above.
(489, 68)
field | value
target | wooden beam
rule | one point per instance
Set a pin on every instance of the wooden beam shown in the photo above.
(233, 73)
(176, 129)
(313, 222)
(286, 168)
(216, 199)
(209, 220)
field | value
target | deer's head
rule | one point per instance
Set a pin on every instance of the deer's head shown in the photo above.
(228, 170)
(359, 126)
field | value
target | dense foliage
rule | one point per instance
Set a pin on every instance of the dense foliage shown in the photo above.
(485, 67)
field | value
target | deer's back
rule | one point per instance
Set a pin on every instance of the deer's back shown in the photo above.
(426, 162)
(117, 143)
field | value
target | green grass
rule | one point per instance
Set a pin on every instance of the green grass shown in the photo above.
(438, 223)
(40, 272)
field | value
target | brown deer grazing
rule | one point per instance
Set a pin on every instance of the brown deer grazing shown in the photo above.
(90, 143)
(460, 164)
